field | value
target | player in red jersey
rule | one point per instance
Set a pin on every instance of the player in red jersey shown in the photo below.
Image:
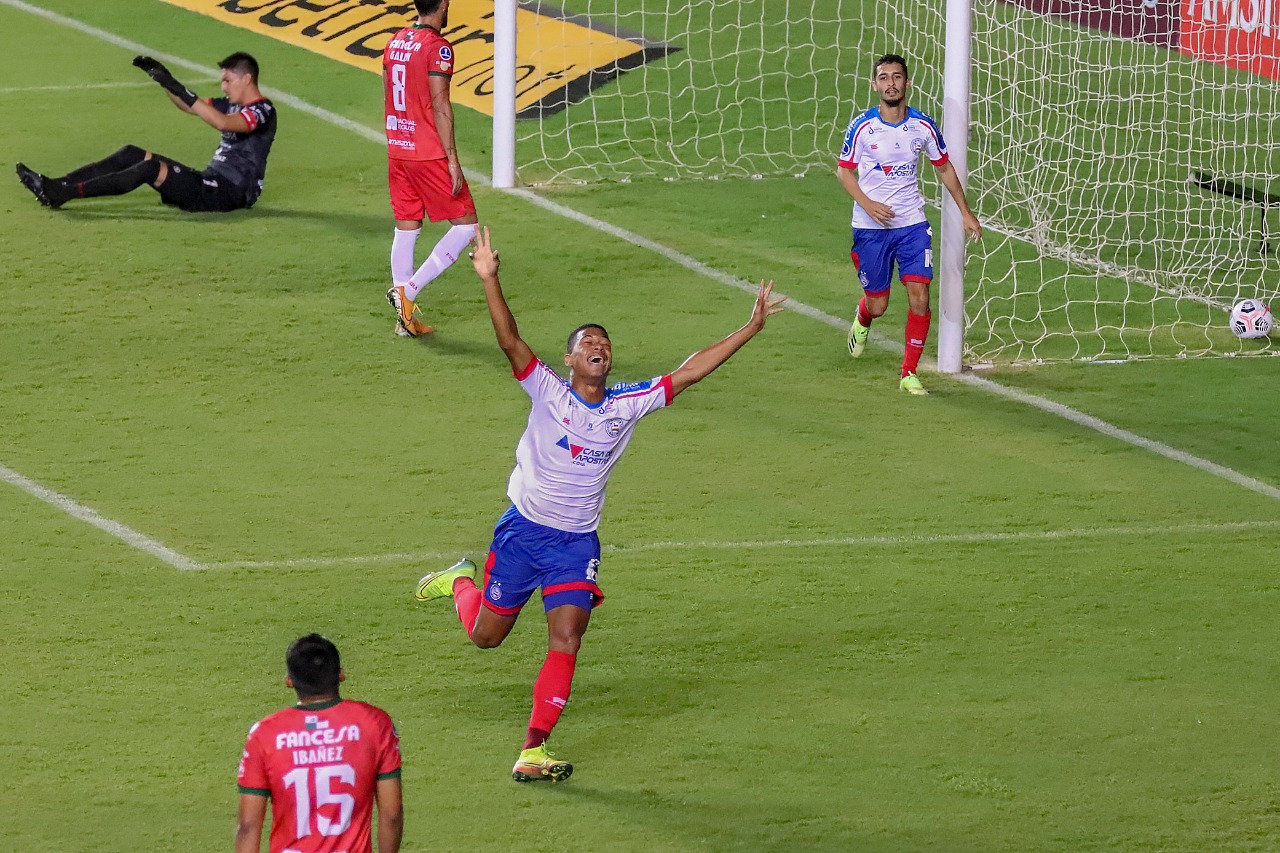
(322, 763)
(422, 159)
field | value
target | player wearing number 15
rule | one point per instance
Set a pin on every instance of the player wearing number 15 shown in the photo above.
(423, 171)
(322, 763)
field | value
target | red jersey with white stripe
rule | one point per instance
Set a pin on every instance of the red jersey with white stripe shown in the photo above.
(887, 157)
(320, 765)
(414, 54)
(570, 446)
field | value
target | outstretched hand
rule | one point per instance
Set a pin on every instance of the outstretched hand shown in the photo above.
(764, 305)
(151, 67)
(483, 256)
(156, 71)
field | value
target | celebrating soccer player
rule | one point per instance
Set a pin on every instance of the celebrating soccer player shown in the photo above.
(232, 180)
(577, 431)
(879, 168)
(422, 159)
(322, 763)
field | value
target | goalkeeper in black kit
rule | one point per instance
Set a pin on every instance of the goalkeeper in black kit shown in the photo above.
(232, 180)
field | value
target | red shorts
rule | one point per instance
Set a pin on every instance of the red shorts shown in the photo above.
(424, 186)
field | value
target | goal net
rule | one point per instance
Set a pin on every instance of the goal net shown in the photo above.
(1122, 155)
(719, 88)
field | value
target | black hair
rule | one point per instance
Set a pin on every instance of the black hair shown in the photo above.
(888, 59)
(241, 63)
(313, 665)
(573, 336)
(427, 7)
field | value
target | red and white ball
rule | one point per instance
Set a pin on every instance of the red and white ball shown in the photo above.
(1250, 318)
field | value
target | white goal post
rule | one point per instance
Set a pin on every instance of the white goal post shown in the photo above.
(955, 129)
(504, 93)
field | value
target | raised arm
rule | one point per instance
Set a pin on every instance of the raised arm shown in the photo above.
(218, 120)
(186, 100)
(485, 259)
(699, 365)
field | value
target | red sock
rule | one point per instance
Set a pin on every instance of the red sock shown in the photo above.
(550, 694)
(466, 598)
(864, 319)
(917, 334)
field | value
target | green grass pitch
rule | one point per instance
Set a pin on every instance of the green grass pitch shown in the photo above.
(838, 618)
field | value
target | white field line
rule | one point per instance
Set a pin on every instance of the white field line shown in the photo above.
(1099, 425)
(76, 510)
(679, 258)
(923, 539)
(77, 87)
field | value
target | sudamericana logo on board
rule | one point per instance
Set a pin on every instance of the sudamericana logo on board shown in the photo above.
(1243, 34)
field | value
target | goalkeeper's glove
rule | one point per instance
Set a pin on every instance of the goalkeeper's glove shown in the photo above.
(161, 75)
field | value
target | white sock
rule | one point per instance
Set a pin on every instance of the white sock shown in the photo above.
(402, 255)
(442, 257)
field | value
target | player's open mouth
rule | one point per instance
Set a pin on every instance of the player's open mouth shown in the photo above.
(596, 359)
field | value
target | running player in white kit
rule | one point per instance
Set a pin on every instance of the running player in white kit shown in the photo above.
(577, 431)
(879, 168)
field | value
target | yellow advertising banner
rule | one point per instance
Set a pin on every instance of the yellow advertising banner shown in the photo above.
(560, 57)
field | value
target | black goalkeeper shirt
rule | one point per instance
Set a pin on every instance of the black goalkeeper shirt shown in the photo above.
(241, 158)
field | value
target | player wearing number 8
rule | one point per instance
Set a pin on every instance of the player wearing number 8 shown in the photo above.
(423, 171)
(322, 763)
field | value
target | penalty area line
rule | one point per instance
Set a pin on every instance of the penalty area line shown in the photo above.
(120, 531)
(975, 538)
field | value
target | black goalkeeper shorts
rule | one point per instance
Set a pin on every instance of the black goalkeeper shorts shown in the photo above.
(200, 192)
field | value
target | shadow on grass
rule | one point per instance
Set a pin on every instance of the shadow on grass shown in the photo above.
(351, 224)
(442, 342)
(752, 822)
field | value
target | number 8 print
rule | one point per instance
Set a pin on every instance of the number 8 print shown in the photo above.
(397, 87)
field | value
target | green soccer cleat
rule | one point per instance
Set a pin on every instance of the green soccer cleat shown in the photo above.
(912, 385)
(440, 584)
(857, 337)
(537, 765)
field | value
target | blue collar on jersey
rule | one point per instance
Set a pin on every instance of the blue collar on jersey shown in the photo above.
(585, 403)
(912, 112)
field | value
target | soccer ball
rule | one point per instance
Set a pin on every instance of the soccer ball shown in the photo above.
(1250, 319)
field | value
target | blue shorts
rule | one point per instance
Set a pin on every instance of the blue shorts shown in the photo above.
(526, 555)
(876, 249)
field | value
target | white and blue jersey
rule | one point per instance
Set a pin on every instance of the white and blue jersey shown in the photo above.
(887, 157)
(570, 446)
